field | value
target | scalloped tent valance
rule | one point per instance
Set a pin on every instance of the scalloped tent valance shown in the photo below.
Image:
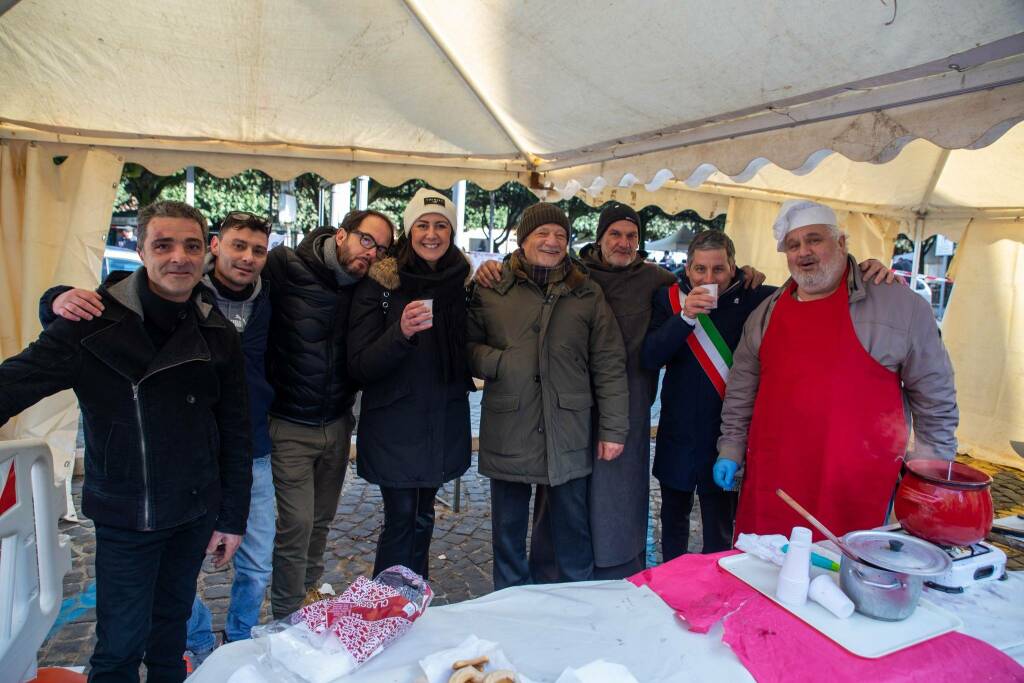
(564, 96)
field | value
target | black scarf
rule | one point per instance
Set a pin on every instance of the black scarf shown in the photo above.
(446, 285)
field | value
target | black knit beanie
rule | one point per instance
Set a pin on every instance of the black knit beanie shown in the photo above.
(537, 215)
(612, 213)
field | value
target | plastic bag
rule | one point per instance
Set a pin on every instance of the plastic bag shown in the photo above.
(333, 637)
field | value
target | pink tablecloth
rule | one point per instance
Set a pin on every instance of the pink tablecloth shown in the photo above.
(776, 646)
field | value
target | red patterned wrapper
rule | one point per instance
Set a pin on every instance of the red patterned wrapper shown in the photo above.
(369, 614)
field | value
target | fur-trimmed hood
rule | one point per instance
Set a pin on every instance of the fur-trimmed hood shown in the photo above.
(385, 272)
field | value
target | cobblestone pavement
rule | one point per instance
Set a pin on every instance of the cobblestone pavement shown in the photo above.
(460, 553)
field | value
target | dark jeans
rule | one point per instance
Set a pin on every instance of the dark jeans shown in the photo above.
(543, 568)
(568, 522)
(145, 584)
(717, 514)
(408, 526)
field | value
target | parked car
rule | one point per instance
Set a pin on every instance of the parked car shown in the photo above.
(116, 258)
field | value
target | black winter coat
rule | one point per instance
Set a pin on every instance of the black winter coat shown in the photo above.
(166, 431)
(691, 409)
(254, 348)
(306, 356)
(414, 429)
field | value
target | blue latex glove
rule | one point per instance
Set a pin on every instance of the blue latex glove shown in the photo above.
(723, 473)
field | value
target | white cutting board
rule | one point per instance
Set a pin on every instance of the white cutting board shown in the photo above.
(859, 634)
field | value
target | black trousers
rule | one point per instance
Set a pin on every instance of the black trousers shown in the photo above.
(568, 520)
(408, 526)
(145, 584)
(717, 514)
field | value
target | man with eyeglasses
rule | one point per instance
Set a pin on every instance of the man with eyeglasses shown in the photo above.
(311, 419)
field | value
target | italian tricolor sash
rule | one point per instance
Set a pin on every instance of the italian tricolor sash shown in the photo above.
(706, 343)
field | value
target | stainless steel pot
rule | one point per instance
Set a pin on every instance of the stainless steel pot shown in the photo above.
(887, 581)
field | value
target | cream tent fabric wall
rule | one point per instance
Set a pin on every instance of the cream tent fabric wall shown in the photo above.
(749, 223)
(984, 332)
(53, 222)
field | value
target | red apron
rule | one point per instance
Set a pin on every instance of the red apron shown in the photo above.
(828, 426)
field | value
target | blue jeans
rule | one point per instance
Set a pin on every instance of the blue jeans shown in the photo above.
(252, 568)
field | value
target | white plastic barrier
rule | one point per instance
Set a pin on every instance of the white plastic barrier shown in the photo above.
(33, 557)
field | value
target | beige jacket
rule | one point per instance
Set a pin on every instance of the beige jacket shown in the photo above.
(897, 327)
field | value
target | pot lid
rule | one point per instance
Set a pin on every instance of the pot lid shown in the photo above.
(899, 552)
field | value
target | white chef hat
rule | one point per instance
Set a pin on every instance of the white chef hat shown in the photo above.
(799, 213)
(427, 201)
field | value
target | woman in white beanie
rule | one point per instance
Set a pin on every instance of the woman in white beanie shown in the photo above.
(407, 346)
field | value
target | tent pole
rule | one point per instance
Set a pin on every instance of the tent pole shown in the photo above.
(918, 239)
(459, 196)
(190, 185)
(363, 192)
(341, 202)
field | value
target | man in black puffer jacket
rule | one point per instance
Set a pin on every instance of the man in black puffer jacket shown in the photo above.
(311, 417)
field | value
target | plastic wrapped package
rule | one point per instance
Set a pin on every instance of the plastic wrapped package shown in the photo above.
(332, 637)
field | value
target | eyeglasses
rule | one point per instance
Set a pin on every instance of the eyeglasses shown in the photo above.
(237, 219)
(366, 241)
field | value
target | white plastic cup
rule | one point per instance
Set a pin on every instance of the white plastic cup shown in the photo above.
(429, 305)
(795, 575)
(712, 289)
(827, 593)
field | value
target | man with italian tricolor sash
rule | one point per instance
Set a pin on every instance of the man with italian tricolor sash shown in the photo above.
(692, 333)
(818, 396)
(695, 326)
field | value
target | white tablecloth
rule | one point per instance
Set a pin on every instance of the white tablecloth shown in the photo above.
(544, 629)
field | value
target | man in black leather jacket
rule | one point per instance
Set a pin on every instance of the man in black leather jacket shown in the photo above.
(160, 379)
(311, 417)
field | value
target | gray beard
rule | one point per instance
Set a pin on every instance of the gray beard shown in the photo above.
(824, 280)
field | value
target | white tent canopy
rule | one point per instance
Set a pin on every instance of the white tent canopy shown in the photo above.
(885, 110)
(609, 93)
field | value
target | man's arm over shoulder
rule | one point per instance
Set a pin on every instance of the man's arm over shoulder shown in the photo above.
(608, 373)
(484, 359)
(49, 364)
(46, 314)
(927, 375)
(233, 425)
(741, 389)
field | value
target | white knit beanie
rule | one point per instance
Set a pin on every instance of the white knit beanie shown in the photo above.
(427, 201)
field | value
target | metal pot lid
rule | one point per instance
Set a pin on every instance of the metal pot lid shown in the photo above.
(899, 552)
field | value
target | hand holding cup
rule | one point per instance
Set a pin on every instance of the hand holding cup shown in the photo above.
(416, 317)
(700, 300)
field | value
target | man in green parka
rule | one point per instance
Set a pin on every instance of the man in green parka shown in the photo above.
(548, 346)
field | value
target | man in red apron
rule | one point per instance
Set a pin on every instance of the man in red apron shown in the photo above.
(815, 399)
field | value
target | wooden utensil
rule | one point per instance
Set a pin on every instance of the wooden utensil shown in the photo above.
(817, 525)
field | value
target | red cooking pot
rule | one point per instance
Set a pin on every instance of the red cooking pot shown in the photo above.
(945, 503)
